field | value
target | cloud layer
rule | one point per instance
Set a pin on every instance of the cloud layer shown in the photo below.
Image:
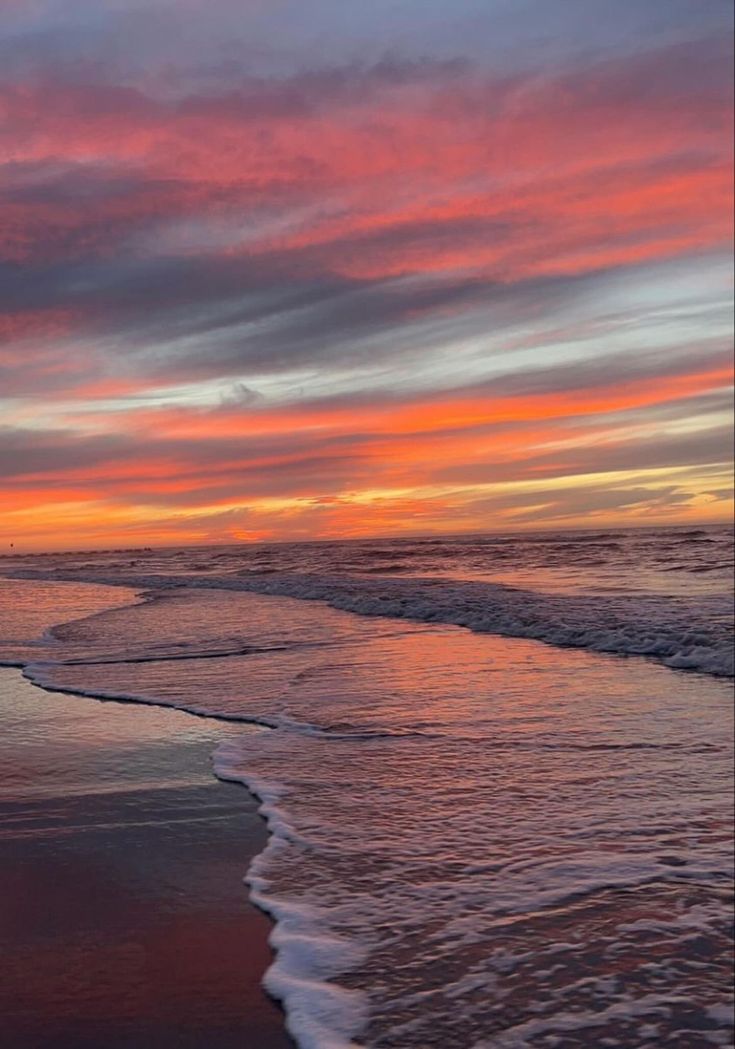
(263, 279)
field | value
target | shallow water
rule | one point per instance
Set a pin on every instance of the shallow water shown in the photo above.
(476, 840)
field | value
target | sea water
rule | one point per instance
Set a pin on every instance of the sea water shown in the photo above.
(477, 840)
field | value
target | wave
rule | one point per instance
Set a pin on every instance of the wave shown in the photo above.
(680, 634)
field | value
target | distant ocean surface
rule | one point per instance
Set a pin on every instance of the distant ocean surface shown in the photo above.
(477, 840)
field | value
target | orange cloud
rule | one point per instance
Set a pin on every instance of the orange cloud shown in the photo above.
(153, 239)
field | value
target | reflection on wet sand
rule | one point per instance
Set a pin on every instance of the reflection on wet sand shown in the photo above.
(124, 922)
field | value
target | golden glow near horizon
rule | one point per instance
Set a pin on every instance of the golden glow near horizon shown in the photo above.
(464, 284)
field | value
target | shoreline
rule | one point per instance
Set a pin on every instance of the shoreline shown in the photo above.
(125, 920)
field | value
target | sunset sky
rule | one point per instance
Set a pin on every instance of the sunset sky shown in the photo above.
(281, 269)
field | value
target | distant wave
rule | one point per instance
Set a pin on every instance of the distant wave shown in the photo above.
(682, 635)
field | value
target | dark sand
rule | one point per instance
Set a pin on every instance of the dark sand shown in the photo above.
(124, 922)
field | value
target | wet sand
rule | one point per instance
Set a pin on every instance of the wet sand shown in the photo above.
(124, 922)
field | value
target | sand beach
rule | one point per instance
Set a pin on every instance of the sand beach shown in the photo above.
(124, 920)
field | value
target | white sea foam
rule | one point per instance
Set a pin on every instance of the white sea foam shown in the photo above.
(320, 1014)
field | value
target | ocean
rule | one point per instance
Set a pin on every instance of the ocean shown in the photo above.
(498, 780)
